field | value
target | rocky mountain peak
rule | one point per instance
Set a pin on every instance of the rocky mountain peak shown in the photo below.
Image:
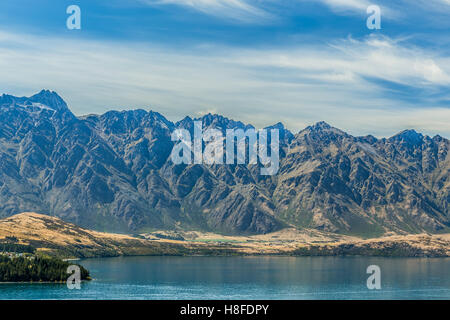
(278, 125)
(220, 122)
(50, 99)
(409, 136)
(45, 99)
(185, 123)
(322, 131)
(285, 134)
(319, 126)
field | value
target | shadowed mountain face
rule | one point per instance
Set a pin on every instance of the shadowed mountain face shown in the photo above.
(113, 172)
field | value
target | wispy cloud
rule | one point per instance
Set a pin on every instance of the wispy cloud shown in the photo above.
(237, 10)
(392, 10)
(359, 7)
(377, 85)
(348, 4)
(350, 60)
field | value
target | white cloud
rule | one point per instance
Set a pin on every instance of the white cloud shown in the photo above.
(297, 86)
(431, 71)
(359, 7)
(349, 60)
(348, 4)
(391, 10)
(238, 10)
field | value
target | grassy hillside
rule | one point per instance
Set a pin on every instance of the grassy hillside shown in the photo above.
(52, 236)
(55, 237)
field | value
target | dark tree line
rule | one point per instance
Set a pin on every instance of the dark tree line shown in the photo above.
(25, 269)
(15, 247)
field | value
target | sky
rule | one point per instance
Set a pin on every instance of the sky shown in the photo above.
(258, 61)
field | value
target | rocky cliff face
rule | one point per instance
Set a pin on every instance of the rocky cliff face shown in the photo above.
(336, 182)
(113, 172)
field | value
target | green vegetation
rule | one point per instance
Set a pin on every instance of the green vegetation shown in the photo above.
(221, 240)
(25, 268)
(301, 219)
(15, 247)
(393, 249)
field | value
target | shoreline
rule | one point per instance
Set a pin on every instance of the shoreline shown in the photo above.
(270, 256)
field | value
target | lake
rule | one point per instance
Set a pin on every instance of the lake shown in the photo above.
(248, 278)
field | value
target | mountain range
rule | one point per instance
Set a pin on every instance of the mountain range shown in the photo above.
(113, 172)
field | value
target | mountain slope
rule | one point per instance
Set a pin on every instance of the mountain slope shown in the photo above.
(336, 182)
(113, 172)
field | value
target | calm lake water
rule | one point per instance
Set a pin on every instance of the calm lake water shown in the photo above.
(248, 278)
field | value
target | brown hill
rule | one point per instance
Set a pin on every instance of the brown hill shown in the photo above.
(57, 237)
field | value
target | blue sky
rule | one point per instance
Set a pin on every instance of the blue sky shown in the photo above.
(295, 61)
